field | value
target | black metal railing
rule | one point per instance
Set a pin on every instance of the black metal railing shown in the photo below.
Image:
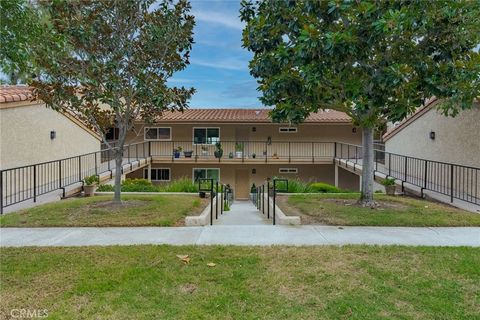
(29, 182)
(220, 194)
(272, 188)
(453, 180)
(259, 151)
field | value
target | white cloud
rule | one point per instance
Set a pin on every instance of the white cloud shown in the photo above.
(229, 21)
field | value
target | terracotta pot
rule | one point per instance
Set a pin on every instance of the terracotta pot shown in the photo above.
(89, 190)
(390, 190)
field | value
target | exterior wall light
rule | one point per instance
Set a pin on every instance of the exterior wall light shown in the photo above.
(53, 134)
(354, 130)
(432, 135)
(254, 171)
(254, 129)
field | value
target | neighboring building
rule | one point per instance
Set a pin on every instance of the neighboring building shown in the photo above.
(253, 147)
(31, 133)
(428, 134)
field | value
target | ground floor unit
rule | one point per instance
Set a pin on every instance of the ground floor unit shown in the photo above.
(242, 177)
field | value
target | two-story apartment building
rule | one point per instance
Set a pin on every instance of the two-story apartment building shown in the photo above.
(253, 148)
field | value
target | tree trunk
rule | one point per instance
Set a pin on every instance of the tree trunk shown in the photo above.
(366, 197)
(118, 175)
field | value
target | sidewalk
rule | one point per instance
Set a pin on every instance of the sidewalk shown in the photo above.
(242, 213)
(262, 235)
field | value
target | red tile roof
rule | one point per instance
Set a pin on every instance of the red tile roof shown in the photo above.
(15, 93)
(23, 93)
(245, 115)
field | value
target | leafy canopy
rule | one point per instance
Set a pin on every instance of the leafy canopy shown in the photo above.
(374, 60)
(108, 62)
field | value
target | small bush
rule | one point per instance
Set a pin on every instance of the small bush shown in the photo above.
(180, 185)
(105, 188)
(139, 185)
(322, 187)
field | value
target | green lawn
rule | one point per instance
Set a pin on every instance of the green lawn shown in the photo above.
(150, 282)
(138, 210)
(341, 209)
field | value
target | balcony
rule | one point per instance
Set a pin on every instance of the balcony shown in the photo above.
(243, 152)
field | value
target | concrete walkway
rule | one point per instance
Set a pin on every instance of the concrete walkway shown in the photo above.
(242, 213)
(261, 235)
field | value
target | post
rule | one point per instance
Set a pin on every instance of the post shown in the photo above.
(451, 183)
(216, 200)
(389, 164)
(211, 202)
(35, 183)
(268, 199)
(425, 169)
(334, 150)
(80, 169)
(263, 198)
(289, 152)
(313, 152)
(336, 176)
(405, 174)
(1, 192)
(59, 174)
(149, 148)
(274, 196)
(96, 168)
(221, 201)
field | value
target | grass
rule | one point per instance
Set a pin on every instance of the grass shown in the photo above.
(341, 209)
(150, 282)
(138, 210)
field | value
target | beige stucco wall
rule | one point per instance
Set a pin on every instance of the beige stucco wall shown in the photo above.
(309, 173)
(457, 140)
(25, 135)
(238, 132)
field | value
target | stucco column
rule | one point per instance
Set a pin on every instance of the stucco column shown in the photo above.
(336, 175)
(149, 172)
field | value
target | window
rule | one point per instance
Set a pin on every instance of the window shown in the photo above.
(158, 174)
(287, 130)
(157, 133)
(288, 170)
(204, 173)
(112, 134)
(206, 135)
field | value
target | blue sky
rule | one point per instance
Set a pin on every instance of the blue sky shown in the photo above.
(219, 64)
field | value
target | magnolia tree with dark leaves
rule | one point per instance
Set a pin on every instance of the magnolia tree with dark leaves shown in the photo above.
(374, 60)
(108, 62)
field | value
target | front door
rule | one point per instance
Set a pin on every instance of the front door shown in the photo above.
(242, 181)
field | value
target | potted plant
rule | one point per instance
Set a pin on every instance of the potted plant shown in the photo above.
(218, 151)
(389, 184)
(187, 154)
(238, 150)
(176, 152)
(204, 151)
(275, 156)
(230, 155)
(254, 155)
(90, 184)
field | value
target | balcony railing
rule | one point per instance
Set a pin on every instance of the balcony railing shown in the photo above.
(241, 151)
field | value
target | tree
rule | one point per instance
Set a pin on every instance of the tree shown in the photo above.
(19, 28)
(108, 62)
(375, 60)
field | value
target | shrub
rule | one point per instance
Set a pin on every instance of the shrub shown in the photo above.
(139, 185)
(294, 186)
(180, 185)
(105, 188)
(91, 180)
(322, 187)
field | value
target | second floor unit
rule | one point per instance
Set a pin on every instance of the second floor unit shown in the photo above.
(243, 136)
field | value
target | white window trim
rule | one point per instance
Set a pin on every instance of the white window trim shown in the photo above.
(145, 132)
(288, 170)
(287, 129)
(169, 174)
(193, 172)
(204, 144)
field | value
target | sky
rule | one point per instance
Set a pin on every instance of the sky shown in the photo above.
(219, 65)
